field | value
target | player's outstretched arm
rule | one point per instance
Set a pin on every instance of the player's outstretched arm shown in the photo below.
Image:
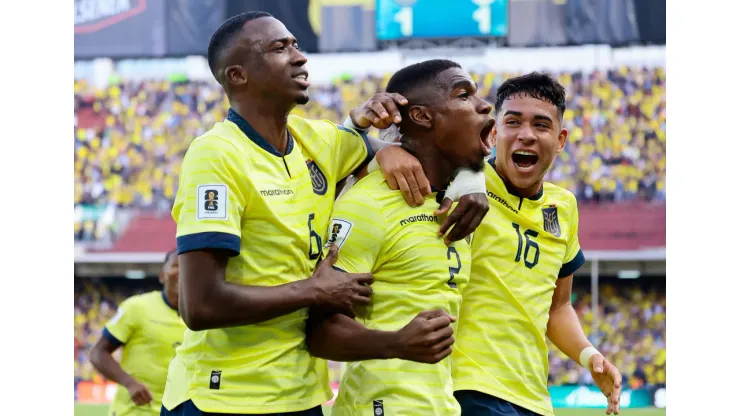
(565, 331)
(208, 301)
(426, 339)
(102, 359)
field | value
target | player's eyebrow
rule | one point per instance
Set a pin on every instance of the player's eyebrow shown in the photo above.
(464, 83)
(513, 113)
(285, 40)
(542, 117)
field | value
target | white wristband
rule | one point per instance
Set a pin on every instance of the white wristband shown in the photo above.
(586, 355)
(373, 165)
(466, 182)
(351, 125)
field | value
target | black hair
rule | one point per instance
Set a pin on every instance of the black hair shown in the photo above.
(169, 255)
(223, 35)
(537, 85)
(407, 80)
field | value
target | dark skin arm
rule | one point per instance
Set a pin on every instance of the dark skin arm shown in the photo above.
(426, 339)
(102, 359)
(207, 301)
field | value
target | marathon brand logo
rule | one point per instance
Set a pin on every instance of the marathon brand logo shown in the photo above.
(419, 218)
(94, 15)
(273, 192)
(501, 201)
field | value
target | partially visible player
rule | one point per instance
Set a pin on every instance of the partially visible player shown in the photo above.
(418, 278)
(148, 328)
(524, 255)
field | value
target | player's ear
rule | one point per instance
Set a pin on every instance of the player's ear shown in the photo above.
(235, 75)
(493, 133)
(161, 276)
(562, 137)
(421, 116)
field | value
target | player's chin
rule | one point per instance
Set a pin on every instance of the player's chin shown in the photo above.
(302, 98)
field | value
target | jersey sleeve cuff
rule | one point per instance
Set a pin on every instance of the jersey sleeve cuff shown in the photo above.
(570, 267)
(370, 152)
(111, 338)
(209, 241)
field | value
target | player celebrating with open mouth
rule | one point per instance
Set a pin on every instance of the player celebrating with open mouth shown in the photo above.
(524, 255)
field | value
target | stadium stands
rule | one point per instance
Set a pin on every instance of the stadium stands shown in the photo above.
(131, 136)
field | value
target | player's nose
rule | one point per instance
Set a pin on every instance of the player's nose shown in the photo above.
(298, 58)
(484, 107)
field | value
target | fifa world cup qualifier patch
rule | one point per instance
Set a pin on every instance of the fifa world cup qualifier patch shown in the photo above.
(338, 232)
(212, 200)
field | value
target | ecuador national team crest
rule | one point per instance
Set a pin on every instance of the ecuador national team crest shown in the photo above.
(550, 220)
(318, 179)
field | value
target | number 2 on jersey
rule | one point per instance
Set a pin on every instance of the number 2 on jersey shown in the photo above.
(313, 236)
(453, 270)
(530, 243)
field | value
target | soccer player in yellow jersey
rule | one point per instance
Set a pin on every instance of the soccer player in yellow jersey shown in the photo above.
(148, 328)
(400, 342)
(252, 211)
(524, 255)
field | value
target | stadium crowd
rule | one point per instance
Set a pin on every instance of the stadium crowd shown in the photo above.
(131, 136)
(631, 330)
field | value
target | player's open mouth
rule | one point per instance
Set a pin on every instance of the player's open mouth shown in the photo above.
(302, 79)
(485, 135)
(524, 159)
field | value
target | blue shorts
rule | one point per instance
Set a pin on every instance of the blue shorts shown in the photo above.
(475, 403)
(188, 409)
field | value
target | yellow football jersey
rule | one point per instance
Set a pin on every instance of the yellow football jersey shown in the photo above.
(521, 248)
(149, 329)
(377, 232)
(271, 211)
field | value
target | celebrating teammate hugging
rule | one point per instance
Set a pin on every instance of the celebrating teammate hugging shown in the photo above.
(524, 255)
(399, 344)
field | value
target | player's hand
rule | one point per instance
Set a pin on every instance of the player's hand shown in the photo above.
(609, 380)
(469, 188)
(403, 171)
(426, 339)
(466, 216)
(380, 111)
(139, 393)
(337, 290)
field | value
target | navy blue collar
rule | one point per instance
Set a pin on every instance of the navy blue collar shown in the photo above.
(257, 138)
(511, 189)
(166, 302)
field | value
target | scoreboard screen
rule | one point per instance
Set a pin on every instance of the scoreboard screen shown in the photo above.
(409, 19)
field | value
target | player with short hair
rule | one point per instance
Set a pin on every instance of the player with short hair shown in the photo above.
(418, 278)
(148, 328)
(524, 255)
(252, 211)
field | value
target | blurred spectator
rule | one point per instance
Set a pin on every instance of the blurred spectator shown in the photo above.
(631, 333)
(130, 138)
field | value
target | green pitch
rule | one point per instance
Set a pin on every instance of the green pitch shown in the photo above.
(102, 410)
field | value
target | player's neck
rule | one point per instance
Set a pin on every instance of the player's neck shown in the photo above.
(436, 168)
(269, 121)
(528, 192)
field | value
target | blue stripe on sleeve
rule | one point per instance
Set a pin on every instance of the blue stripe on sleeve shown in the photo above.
(570, 267)
(111, 338)
(209, 241)
(370, 153)
(337, 268)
